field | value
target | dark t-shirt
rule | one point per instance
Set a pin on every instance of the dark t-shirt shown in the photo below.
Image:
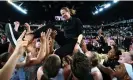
(72, 27)
(109, 63)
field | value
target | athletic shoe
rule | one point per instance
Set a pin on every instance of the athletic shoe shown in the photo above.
(11, 34)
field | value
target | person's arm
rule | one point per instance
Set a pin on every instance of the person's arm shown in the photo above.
(27, 27)
(106, 70)
(96, 75)
(10, 49)
(17, 24)
(42, 52)
(48, 41)
(52, 46)
(53, 35)
(39, 73)
(26, 61)
(77, 45)
(8, 68)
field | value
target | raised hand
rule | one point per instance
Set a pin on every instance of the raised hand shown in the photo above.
(46, 36)
(43, 37)
(48, 41)
(49, 31)
(27, 27)
(29, 37)
(8, 68)
(20, 43)
(53, 34)
(17, 24)
(80, 37)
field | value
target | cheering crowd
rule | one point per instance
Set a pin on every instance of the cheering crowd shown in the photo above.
(49, 53)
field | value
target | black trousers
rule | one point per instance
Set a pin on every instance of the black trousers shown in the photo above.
(66, 44)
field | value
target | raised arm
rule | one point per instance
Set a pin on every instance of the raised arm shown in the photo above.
(8, 68)
(77, 45)
(106, 70)
(43, 49)
(27, 27)
(48, 41)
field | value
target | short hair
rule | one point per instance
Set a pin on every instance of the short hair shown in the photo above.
(94, 59)
(4, 57)
(80, 66)
(51, 65)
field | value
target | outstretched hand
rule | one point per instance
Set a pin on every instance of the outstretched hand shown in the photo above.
(49, 31)
(45, 36)
(21, 44)
(53, 34)
(27, 27)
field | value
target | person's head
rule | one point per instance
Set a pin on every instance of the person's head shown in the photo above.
(66, 12)
(114, 53)
(81, 66)
(51, 66)
(93, 58)
(112, 42)
(17, 23)
(3, 58)
(126, 57)
(100, 32)
(124, 71)
(66, 60)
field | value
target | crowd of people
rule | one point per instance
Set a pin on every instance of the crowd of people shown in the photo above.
(48, 53)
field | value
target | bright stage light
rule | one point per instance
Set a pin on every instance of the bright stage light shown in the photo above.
(17, 7)
(96, 12)
(93, 13)
(101, 9)
(115, 1)
(107, 5)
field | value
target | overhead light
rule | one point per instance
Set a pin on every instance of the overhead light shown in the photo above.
(96, 12)
(21, 4)
(9, 1)
(93, 13)
(17, 7)
(115, 1)
(107, 5)
(101, 9)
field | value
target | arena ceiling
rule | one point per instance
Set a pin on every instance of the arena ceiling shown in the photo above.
(46, 10)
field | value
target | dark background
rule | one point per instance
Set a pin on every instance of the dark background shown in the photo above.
(46, 10)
